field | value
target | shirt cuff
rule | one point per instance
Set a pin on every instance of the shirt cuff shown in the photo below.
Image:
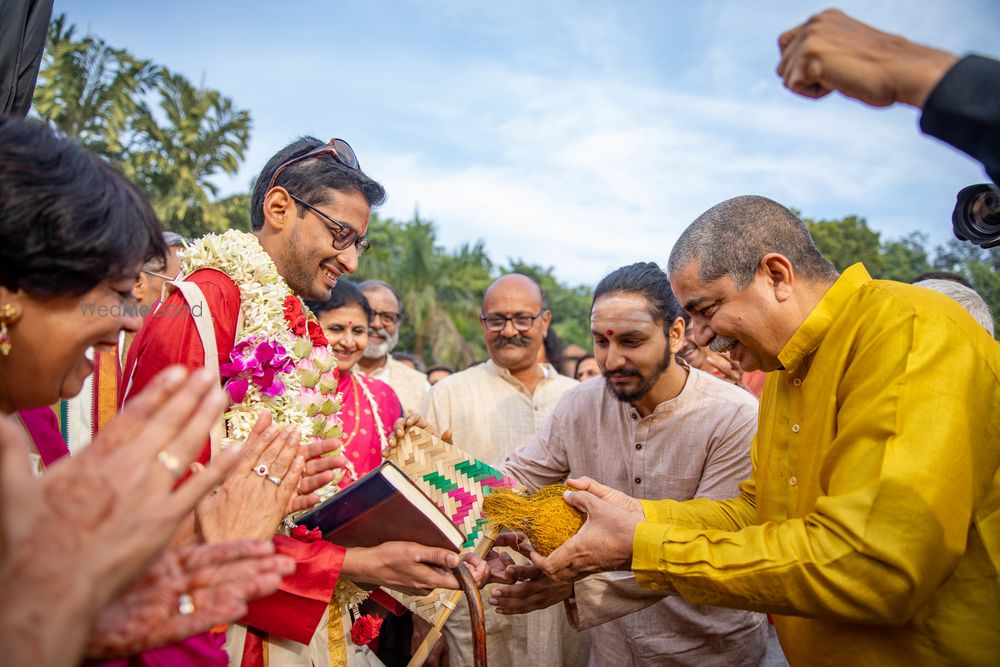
(655, 511)
(646, 545)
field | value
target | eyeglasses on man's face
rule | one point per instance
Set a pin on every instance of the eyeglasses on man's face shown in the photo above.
(339, 149)
(157, 275)
(344, 236)
(521, 322)
(387, 317)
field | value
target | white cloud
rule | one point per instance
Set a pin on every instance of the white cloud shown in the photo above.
(586, 138)
(587, 175)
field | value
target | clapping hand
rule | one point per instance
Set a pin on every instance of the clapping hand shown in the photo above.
(255, 497)
(73, 539)
(219, 579)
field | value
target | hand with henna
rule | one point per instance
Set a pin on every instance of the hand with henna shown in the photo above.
(75, 538)
(220, 578)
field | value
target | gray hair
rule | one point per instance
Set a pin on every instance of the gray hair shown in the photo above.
(174, 240)
(731, 238)
(373, 284)
(966, 297)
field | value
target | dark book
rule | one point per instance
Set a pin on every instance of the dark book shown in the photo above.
(383, 506)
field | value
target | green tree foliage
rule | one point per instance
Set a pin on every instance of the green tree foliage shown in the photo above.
(168, 135)
(442, 291)
(570, 306)
(90, 91)
(905, 258)
(847, 241)
(850, 240)
(199, 133)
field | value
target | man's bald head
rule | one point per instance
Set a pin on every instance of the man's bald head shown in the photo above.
(515, 283)
(516, 303)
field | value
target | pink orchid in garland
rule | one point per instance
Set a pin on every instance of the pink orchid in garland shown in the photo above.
(318, 376)
(258, 361)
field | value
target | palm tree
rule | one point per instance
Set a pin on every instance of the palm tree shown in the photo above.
(199, 133)
(440, 292)
(99, 95)
(89, 90)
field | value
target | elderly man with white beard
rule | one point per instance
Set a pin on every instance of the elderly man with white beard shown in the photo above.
(409, 384)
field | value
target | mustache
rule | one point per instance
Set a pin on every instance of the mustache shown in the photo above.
(626, 372)
(722, 344)
(519, 341)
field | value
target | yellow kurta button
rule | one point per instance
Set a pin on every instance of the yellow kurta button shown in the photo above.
(793, 481)
(795, 428)
(797, 382)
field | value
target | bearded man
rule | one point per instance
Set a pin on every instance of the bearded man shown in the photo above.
(409, 384)
(652, 428)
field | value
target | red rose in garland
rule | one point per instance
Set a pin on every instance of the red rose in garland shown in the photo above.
(295, 316)
(365, 629)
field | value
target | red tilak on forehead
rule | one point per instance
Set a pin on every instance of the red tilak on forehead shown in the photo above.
(610, 333)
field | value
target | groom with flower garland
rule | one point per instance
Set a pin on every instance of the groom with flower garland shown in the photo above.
(309, 211)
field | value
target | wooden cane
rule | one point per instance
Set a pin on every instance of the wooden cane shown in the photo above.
(477, 615)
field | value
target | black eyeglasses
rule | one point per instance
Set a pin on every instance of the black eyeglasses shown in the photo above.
(338, 148)
(387, 317)
(521, 322)
(344, 235)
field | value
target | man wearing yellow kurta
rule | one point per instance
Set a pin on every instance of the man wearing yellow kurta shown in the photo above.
(871, 524)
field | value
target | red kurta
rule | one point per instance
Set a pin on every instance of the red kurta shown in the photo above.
(295, 610)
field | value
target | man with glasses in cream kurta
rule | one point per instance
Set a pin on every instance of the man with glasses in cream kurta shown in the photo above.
(491, 409)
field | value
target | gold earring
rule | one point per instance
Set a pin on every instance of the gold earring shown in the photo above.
(8, 315)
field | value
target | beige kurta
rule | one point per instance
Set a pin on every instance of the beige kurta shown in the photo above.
(490, 414)
(696, 445)
(409, 384)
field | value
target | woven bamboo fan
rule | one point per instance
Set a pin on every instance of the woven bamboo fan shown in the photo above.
(458, 483)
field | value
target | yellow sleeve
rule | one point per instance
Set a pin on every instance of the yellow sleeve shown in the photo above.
(915, 444)
(732, 514)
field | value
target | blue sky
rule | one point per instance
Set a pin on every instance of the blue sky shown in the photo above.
(579, 135)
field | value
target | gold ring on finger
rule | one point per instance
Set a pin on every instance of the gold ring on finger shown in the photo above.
(170, 462)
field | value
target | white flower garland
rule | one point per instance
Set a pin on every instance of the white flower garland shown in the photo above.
(263, 292)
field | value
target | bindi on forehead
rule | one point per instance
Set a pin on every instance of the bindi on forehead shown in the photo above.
(610, 333)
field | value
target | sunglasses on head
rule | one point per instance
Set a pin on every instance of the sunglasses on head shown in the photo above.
(338, 148)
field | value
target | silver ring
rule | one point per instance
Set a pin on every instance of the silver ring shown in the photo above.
(274, 479)
(185, 604)
(170, 462)
(261, 470)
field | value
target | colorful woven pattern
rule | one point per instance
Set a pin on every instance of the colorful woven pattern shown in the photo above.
(455, 481)
(451, 478)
